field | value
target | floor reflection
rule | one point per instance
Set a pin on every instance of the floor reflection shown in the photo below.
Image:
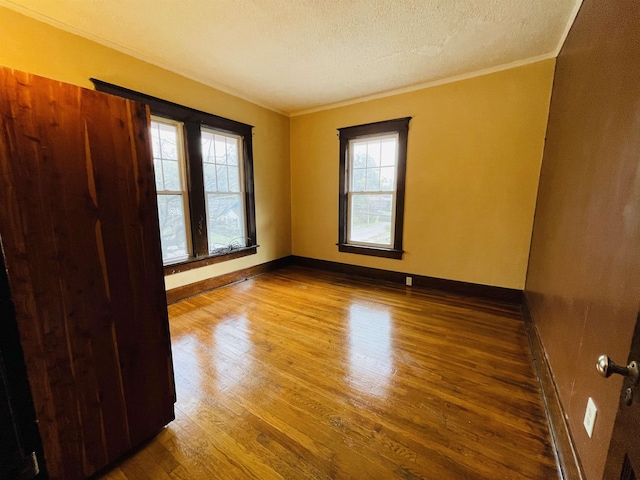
(190, 358)
(233, 354)
(370, 349)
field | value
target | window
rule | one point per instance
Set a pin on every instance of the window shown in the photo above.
(372, 180)
(204, 181)
(221, 157)
(169, 168)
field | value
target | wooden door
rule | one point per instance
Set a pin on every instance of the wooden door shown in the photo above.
(623, 460)
(79, 231)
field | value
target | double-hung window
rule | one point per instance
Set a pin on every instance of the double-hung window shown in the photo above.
(204, 182)
(169, 166)
(372, 180)
(224, 195)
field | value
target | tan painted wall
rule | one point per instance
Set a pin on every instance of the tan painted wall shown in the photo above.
(474, 154)
(38, 48)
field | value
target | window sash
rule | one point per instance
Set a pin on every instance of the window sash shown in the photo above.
(224, 167)
(224, 231)
(352, 191)
(392, 221)
(367, 140)
(165, 193)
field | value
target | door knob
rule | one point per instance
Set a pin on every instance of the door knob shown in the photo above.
(607, 367)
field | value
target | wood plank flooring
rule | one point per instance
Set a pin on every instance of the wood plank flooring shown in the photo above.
(301, 373)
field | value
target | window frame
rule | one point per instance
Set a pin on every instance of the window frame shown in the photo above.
(193, 120)
(399, 126)
(241, 184)
(182, 172)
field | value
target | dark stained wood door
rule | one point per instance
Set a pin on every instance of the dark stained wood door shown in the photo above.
(623, 461)
(79, 231)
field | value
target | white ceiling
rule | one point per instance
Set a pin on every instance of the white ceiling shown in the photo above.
(299, 55)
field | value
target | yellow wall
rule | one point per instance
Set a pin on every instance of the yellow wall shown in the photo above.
(35, 47)
(473, 162)
(474, 154)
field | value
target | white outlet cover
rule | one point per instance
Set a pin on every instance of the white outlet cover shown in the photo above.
(590, 417)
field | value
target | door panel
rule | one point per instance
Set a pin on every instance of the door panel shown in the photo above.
(623, 460)
(79, 229)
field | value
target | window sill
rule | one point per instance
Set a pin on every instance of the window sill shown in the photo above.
(371, 251)
(190, 264)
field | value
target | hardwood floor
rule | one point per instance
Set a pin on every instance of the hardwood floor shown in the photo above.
(301, 373)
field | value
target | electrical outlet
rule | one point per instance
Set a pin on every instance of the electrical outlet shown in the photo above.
(590, 416)
(409, 281)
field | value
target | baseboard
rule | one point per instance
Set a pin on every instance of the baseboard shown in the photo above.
(180, 293)
(569, 466)
(488, 292)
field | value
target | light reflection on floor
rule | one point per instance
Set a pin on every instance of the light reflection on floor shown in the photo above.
(370, 349)
(232, 341)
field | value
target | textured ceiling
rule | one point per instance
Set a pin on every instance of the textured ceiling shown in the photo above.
(296, 55)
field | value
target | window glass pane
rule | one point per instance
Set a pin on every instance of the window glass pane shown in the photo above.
(221, 149)
(234, 179)
(232, 152)
(173, 231)
(157, 155)
(224, 150)
(208, 154)
(373, 180)
(166, 151)
(225, 220)
(209, 177)
(373, 153)
(157, 168)
(388, 152)
(359, 180)
(387, 178)
(168, 141)
(370, 219)
(359, 154)
(155, 139)
(171, 175)
(221, 172)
